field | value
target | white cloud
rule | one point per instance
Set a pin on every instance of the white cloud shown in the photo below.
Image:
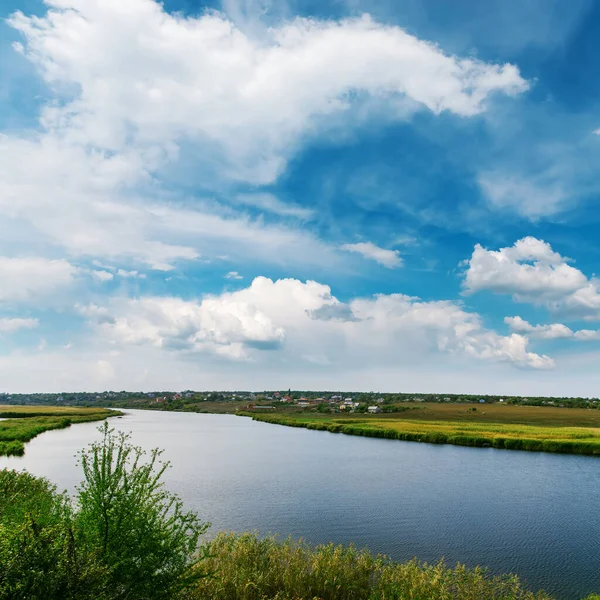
(272, 204)
(250, 99)
(530, 197)
(596, 131)
(305, 320)
(448, 327)
(233, 275)
(31, 279)
(82, 205)
(130, 274)
(102, 275)
(388, 258)
(81, 201)
(242, 238)
(548, 332)
(532, 272)
(127, 104)
(225, 326)
(587, 335)
(406, 240)
(10, 325)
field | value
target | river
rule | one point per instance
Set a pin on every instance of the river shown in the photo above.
(533, 514)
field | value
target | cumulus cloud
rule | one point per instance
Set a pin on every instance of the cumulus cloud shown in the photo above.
(102, 275)
(225, 326)
(29, 279)
(94, 313)
(303, 319)
(447, 327)
(10, 325)
(252, 98)
(338, 311)
(388, 258)
(532, 272)
(587, 335)
(126, 99)
(550, 331)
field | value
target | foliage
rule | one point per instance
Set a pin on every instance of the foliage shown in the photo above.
(125, 537)
(139, 528)
(39, 558)
(250, 568)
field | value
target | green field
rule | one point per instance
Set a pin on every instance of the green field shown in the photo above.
(543, 429)
(23, 423)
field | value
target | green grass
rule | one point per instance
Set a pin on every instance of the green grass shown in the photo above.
(249, 568)
(510, 428)
(23, 423)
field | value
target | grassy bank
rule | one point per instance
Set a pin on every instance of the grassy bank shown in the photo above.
(125, 536)
(24, 423)
(249, 568)
(509, 428)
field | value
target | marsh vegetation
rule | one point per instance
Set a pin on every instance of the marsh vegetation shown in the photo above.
(23, 423)
(545, 429)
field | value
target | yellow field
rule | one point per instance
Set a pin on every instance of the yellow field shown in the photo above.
(22, 423)
(547, 429)
(549, 416)
(50, 410)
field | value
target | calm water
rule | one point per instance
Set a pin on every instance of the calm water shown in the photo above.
(534, 514)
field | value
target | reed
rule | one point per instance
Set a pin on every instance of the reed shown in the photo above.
(247, 567)
(567, 440)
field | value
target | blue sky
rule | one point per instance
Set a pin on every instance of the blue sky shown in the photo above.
(334, 195)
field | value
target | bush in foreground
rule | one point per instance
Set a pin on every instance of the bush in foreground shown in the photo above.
(39, 556)
(125, 537)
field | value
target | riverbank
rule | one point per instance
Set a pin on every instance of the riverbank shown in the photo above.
(514, 512)
(584, 440)
(23, 423)
(125, 535)
(247, 567)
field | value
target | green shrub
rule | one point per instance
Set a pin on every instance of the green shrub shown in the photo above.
(39, 558)
(139, 529)
(126, 537)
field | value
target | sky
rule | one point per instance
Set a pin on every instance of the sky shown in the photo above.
(382, 195)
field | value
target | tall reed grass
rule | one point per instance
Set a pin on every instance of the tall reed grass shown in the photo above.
(247, 567)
